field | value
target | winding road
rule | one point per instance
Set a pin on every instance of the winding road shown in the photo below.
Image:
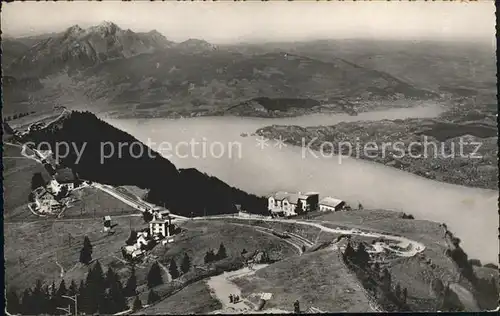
(409, 247)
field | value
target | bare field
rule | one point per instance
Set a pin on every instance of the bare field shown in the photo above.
(92, 201)
(317, 279)
(31, 249)
(309, 232)
(17, 175)
(194, 299)
(385, 221)
(202, 236)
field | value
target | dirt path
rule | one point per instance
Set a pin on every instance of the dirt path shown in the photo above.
(221, 287)
(414, 246)
(62, 269)
(169, 277)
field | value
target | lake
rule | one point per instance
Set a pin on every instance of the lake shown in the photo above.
(222, 151)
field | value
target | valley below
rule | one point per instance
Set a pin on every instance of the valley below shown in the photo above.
(159, 201)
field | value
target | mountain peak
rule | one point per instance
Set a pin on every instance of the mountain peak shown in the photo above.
(105, 27)
(107, 24)
(73, 30)
(154, 32)
(196, 44)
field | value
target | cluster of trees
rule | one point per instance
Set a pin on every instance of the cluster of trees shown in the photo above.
(37, 181)
(447, 300)
(375, 280)
(360, 256)
(18, 115)
(99, 293)
(211, 256)
(154, 277)
(167, 185)
(407, 216)
(487, 289)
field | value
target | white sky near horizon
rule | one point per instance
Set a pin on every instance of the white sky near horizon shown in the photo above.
(228, 21)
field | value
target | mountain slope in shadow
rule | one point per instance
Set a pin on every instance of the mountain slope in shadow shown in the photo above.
(185, 191)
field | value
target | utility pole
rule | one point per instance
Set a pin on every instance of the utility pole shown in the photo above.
(74, 299)
(67, 310)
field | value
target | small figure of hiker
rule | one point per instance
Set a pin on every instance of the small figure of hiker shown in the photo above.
(360, 206)
(296, 307)
(236, 299)
(231, 298)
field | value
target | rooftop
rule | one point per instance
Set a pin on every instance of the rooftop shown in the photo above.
(291, 197)
(329, 201)
(159, 221)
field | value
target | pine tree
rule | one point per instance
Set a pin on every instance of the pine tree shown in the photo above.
(37, 181)
(221, 254)
(298, 208)
(397, 291)
(137, 304)
(405, 295)
(37, 298)
(147, 216)
(57, 300)
(154, 276)
(111, 277)
(82, 297)
(53, 289)
(173, 270)
(27, 307)
(86, 251)
(62, 289)
(386, 279)
(349, 251)
(95, 290)
(186, 264)
(209, 256)
(72, 290)
(131, 287)
(51, 299)
(13, 304)
(152, 297)
(131, 238)
(117, 301)
(362, 256)
(47, 301)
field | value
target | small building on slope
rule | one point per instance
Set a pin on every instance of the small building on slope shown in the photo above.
(329, 204)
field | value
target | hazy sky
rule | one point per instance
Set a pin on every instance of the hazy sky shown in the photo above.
(224, 22)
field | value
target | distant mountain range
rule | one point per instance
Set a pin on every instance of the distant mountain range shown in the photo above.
(145, 72)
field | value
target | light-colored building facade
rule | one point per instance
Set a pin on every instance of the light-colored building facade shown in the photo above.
(286, 204)
(160, 226)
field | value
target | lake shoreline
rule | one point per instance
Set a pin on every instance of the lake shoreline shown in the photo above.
(465, 171)
(470, 212)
